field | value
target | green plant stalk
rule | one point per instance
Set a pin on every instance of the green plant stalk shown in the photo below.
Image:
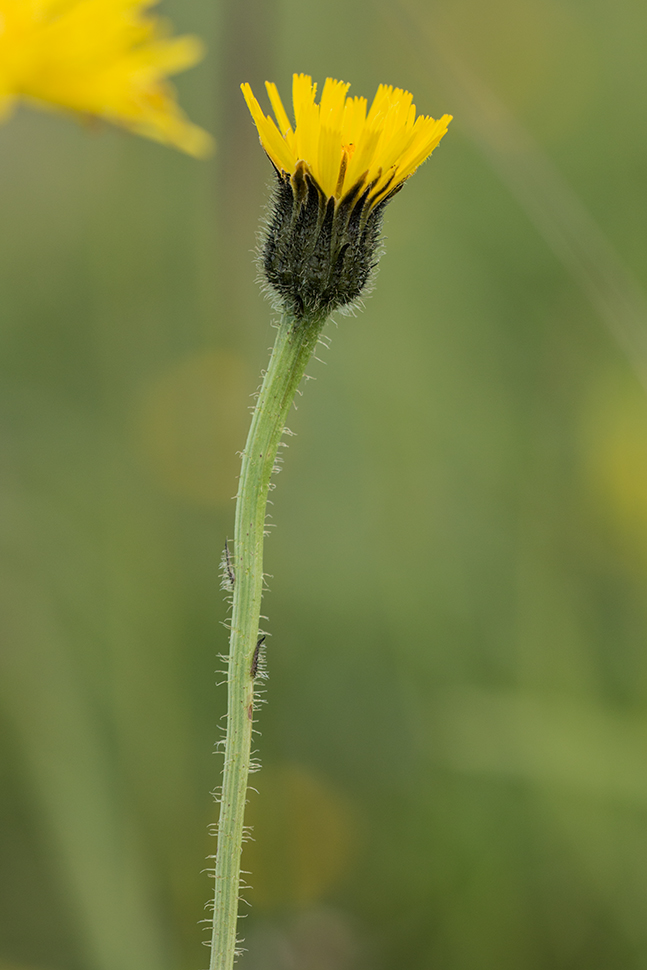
(294, 346)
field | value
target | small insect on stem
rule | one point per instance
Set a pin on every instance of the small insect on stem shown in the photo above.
(253, 670)
(229, 566)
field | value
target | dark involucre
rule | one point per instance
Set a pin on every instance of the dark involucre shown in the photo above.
(316, 257)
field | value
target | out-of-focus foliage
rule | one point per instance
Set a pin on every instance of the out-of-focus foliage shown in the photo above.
(455, 744)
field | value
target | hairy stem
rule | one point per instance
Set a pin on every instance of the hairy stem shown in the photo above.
(294, 346)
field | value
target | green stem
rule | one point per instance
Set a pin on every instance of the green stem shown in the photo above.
(294, 346)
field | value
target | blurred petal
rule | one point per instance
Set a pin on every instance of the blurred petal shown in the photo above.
(104, 58)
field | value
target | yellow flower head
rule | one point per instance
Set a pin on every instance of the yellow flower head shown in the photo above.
(103, 58)
(341, 142)
(337, 168)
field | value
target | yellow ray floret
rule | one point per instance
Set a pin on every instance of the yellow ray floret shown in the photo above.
(104, 58)
(342, 141)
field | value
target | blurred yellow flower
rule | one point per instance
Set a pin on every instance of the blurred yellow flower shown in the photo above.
(342, 143)
(101, 58)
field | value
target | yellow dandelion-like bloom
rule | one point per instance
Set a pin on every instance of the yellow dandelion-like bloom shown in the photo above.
(337, 168)
(106, 59)
(342, 142)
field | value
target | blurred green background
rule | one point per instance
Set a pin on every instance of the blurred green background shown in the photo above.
(455, 744)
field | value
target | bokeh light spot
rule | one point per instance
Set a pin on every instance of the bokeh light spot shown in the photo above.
(191, 424)
(304, 835)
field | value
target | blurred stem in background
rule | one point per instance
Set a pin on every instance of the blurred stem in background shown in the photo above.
(246, 30)
(108, 62)
(537, 184)
(295, 344)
